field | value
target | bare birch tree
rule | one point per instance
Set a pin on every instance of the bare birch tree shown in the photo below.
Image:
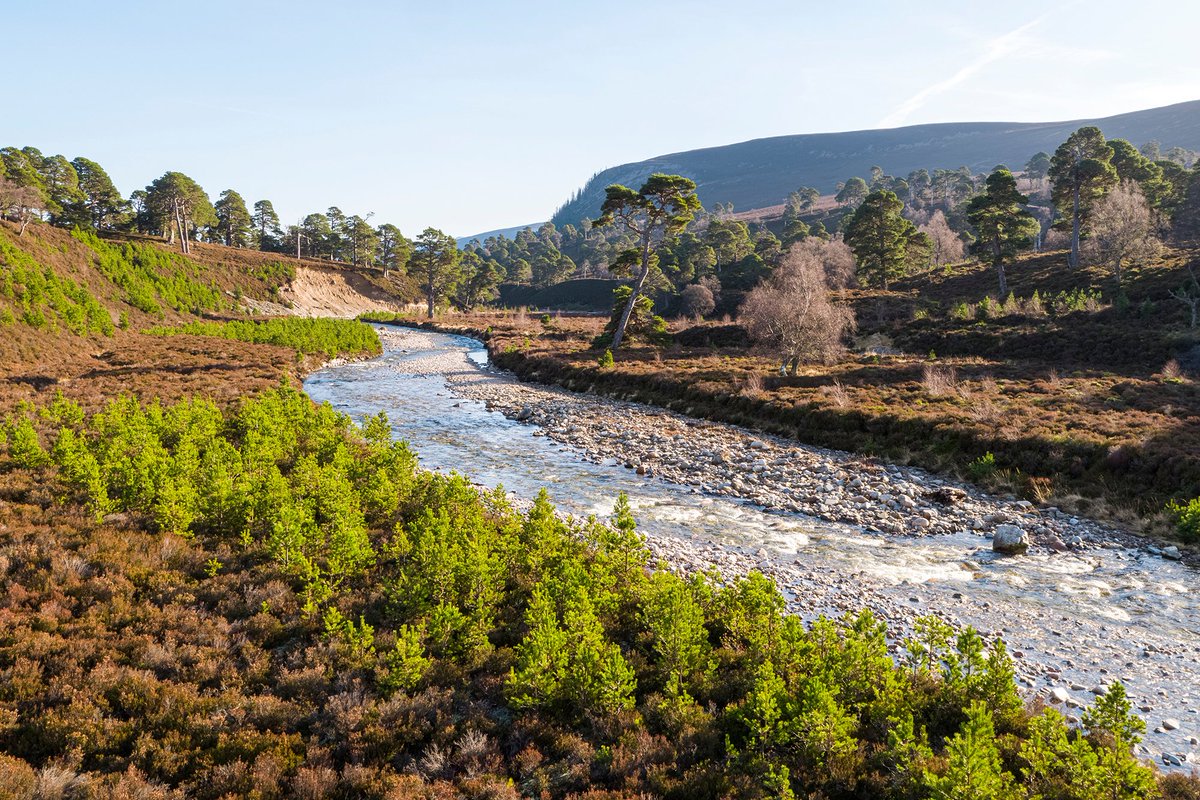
(792, 314)
(23, 204)
(1123, 230)
(948, 247)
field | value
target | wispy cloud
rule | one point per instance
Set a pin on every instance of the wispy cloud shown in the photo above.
(994, 50)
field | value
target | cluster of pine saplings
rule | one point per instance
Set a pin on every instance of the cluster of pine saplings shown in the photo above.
(416, 632)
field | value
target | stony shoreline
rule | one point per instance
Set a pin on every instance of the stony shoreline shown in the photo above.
(889, 503)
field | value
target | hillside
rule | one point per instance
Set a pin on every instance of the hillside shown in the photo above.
(762, 172)
(73, 308)
(507, 233)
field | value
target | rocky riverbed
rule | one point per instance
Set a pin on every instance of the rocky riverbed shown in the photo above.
(1083, 606)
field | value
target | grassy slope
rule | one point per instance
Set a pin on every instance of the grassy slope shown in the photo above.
(36, 362)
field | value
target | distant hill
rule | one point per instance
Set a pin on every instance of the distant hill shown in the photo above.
(762, 172)
(507, 233)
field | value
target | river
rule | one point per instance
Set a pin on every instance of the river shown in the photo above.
(1075, 621)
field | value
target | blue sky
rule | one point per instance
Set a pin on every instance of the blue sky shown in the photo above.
(474, 115)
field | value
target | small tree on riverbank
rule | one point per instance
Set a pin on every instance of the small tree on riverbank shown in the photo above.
(434, 263)
(663, 207)
(641, 322)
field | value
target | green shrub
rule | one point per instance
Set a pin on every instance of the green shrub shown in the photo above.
(275, 273)
(606, 359)
(24, 448)
(1076, 300)
(643, 323)
(152, 277)
(332, 337)
(988, 308)
(383, 316)
(38, 290)
(1187, 519)
(1034, 306)
(982, 467)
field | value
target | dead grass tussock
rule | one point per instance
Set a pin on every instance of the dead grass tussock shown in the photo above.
(1171, 371)
(939, 381)
(837, 394)
(752, 385)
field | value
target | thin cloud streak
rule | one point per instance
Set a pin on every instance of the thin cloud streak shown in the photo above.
(997, 48)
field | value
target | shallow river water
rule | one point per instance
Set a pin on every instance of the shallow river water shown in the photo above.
(1075, 620)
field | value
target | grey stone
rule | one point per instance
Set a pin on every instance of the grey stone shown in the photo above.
(1010, 540)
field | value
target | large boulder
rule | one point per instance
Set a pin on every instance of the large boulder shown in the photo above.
(1010, 540)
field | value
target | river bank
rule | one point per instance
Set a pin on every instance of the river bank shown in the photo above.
(1098, 609)
(1112, 445)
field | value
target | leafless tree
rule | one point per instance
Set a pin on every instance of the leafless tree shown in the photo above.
(713, 284)
(948, 246)
(835, 257)
(1189, 295)
(21, 203)
(696, 300)
(792, 314)
(1123, 230)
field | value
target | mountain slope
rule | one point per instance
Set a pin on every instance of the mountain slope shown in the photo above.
(506, 233)
(762, 172)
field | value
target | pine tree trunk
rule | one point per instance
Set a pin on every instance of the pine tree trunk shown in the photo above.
(999, 269)
(619, 333)
(1074, 260)
(183, 239)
